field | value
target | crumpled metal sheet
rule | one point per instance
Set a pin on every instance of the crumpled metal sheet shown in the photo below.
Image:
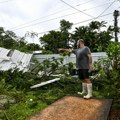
(17, 59)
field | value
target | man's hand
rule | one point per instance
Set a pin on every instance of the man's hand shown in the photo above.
(90, 66)
(60, 49)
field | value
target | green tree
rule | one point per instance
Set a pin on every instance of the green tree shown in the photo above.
(109, 71)
(51, 41)
(2, 33)
(31, 35)
(32, 47)
(57, 39)
(65, 26)
(96, 25)
(9, 40)
(22, 44)
(93, 36)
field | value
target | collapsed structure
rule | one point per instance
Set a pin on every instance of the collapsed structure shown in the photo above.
(11, 59)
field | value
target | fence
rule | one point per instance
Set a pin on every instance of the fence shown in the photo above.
(67, 59)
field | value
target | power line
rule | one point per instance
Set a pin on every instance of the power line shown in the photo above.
(17, 27)
(76, 8)
(48, 15)
(49, 31)
(49, 20)
(86, 13)
(97, 6)
(107, 8)
(14, 28)
(85, 2)
(7, 1)
(44, 21)
(92, 19)
(77, 23)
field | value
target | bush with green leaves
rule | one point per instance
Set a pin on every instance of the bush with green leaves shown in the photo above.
(16, 84)
(113, 52)
(50, 66)
(17, 79)
(109, 71)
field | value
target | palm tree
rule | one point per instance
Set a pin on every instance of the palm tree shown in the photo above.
(31, 35)
(96, 25)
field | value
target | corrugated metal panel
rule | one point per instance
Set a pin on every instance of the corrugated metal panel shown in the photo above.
(22, 60)
(3, 54)
(16, 60)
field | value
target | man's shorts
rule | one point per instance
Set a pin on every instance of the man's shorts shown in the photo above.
(83, 74)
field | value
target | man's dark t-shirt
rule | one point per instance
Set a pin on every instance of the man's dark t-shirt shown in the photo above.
(82, 60)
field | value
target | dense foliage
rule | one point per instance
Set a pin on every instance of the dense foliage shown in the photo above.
(18, 101)
(96, 35)
(10, 40)
(15, 85)
(93, 34)
(109, 73)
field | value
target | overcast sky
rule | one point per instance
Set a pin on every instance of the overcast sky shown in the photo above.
(40, 16)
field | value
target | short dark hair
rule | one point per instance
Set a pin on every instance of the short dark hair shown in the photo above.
(81, 40)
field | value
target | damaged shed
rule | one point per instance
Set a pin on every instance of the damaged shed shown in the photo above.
(10, 59)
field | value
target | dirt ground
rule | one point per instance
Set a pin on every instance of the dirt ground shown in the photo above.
(114, 114)
(77, 108)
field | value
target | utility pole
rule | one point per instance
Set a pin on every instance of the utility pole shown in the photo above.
(116, 14)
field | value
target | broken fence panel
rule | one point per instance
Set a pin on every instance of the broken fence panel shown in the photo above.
(45, 83)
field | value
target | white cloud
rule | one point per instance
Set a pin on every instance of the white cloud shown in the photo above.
(17, 12)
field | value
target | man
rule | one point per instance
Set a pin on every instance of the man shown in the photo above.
(84, 65)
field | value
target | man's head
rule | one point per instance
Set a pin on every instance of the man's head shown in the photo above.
(80, 43)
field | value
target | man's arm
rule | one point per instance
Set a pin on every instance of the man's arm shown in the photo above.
(90, 58)
(64, 49)
(90, 61)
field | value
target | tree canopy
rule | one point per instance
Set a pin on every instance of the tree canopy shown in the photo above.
(94, 35)
(97, 35)
(9, 40)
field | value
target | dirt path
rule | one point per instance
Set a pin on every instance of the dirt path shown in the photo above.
(75, 108)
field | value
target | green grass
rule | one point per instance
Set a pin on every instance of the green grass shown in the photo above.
(35, 100)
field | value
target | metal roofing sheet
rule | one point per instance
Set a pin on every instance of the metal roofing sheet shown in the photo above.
(17, 59)
(3, 54)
